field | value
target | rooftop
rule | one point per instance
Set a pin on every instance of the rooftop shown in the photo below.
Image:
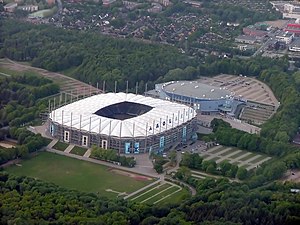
(196, 89)
(83, 115)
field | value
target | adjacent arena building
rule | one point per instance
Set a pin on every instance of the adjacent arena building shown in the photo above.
(206, 99)
(128, 123)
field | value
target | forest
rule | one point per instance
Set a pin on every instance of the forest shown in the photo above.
(21, 102)
(217, 202)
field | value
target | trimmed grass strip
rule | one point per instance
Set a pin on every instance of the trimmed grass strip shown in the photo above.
(78, 150)
(61, 146)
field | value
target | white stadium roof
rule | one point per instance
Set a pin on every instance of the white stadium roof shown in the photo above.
(164, 115)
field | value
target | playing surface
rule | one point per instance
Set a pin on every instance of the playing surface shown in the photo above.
(81, 175)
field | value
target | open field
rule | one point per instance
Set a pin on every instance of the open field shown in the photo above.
(241, 158)
(80, 175)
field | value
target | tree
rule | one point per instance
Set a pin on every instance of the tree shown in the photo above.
(242, 173)
(158, 167)
(183, 173)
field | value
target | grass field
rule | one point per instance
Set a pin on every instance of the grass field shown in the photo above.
(76, 174)
(161, 194)
(61, 146)
(78, 150)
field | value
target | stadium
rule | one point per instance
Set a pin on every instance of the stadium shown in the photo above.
(202, 97)
(128, 123)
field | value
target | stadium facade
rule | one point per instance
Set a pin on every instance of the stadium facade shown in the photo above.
(128, 123)
(205, 99)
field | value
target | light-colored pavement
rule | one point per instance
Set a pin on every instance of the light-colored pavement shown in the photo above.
(218, 154)
(227, 156)
(52, 143)
(69, 148)
(87, 153)
(249, 160)
(240, 157)
(258, 163)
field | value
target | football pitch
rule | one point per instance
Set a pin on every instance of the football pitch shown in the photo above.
(80, 175)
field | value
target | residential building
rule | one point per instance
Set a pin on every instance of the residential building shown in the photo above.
(29, 8)
(10, 7)
(285, 37)
(107, 2)
(247, 39)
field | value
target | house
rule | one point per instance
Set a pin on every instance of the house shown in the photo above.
(156, 8)
(108, 2)
(247, 39)
(285, 37)
(10, 7)
(29, 8)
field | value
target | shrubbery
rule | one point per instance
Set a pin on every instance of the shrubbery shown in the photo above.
(111, 155)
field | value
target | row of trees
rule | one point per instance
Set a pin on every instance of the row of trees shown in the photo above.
(225, 135)
(111, 155)
(194, 161)
(27, 142)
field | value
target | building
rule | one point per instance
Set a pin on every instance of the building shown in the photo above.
(295, 46)
(51, 2)
(163, 2)
(29, 8)
(204, 98)
(253, 31)
(108, 2)
(128, 123)
(285, 37)
(246, 39)
(10, 7)
(156, 8)
(293, 28)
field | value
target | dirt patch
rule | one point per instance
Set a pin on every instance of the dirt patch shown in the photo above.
(292, 175)
(128, 174)
(7, 144)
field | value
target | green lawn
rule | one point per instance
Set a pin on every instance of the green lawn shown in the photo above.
(155, 190)
(165, 193)
(76, 174)
(177, 197)
(78, 150)
(61, 146)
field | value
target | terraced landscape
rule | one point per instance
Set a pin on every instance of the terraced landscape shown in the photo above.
(248, 160)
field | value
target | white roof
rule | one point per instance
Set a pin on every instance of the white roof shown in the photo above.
(164, 116)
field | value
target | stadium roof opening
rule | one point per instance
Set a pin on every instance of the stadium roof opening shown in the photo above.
(123, 110)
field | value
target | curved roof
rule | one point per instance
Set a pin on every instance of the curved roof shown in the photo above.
(195, 89)
(163, 116)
